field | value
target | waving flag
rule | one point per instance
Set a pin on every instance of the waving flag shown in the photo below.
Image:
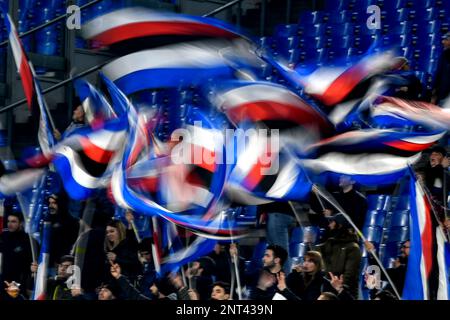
(125, 25)
(271, 103)
(369, 169)
(391, 111)
(331, 85)
(389, 141)
(426, 276)
(96, 108)
(172, 66)
(42, 273)
(31, 88)
(20, 181)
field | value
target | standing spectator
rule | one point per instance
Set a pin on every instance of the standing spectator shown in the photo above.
(121, 248)
(441, 87)
(148, 274)
(200, 276)
(341, 252)
(306, 280)
(16, 250)
(280, 222)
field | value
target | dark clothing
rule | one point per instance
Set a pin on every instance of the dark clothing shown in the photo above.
(63, 235)
(126, 257)
(434, 181)
(224, 265)
(57, 290)
(146, 279)
(267, 294)
(17, 257)
(304, 286)
(442, 77)
(342, 256)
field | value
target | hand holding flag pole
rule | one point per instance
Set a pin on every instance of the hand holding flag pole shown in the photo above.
(327, 196)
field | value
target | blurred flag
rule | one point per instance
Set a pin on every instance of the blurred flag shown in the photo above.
(42, 273)
(31, 88)
(172, 66)
(138, 27)
(427, 276)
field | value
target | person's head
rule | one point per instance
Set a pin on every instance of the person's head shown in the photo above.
(106, 292)
(202, 266)
(145, 250)
(64, 264)
(405, 249)
(14, 223)
(446, 40)
(437, 155)
(274, 257)
(346, 183)
(78, 114)
(220, 291)
(327, 296)
(385, 295)
(312, 262)
(53, 204)
(115, 233)
(337, 221)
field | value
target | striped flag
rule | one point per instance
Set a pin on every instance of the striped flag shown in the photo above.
(172, 66)
(331, 85)
(31, 88)
(150, 27)
(40, 289)
(270, 103)
(391, 111)
(427, 271)
(96, 108)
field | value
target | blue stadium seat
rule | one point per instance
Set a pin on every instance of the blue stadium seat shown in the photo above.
(375, 218)
(397, 234)
(313, 17)
(378, 201)
(365, 253)
(296, 235)
(373, 234)
(286, 30)
(400, 219)
(346, 29)
(388, 252)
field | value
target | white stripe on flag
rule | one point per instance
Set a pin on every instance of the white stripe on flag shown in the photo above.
(443, 273)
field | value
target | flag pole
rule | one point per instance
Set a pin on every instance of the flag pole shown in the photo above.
(235, 262)
(326, 195)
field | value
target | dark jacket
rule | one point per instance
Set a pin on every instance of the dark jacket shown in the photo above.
(342, 255)
(17, 258)
(126, 257)
(442, 77)
(304, 286)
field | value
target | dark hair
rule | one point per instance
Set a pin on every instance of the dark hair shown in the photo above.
(67, 258)
(224, 285)
(18, 215)
(278, 252)
(385, 295)
(329, 296)
(439, 149)
(316, 258)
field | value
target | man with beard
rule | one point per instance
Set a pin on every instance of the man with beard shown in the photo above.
(273, 261)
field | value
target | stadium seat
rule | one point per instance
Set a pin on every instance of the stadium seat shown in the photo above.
(375, 218)
(400, 219)
(378, 202)
(397, 234)
(388, 252)
(296, 235)
(373, 234)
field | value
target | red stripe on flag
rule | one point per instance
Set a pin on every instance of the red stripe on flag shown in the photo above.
(427, 238)
(27, 80)
(342, 86)
(408, 146)
(202, 157)
(94, 152)
(255, 175)
(159, 28)
(272, 110)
